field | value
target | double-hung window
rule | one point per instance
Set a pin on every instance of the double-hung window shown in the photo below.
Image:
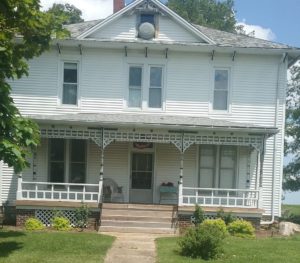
(67, 161)
(70, 83)
(145, 87)
(217, 166)
(155, 89)
(135, 86)
(221, 87)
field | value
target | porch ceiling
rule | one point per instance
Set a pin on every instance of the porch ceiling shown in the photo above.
(151, 121)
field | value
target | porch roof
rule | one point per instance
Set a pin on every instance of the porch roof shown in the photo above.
(174, 122)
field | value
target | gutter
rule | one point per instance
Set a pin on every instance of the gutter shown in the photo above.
(282, 61)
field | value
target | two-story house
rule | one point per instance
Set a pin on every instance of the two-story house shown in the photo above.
(145, 108)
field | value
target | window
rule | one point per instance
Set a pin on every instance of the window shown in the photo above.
(155, 90)
(57, 161)
(145, 87)
(147, 18)
(135, 87)
(67, 161)
(217, 166)
(70, 83)
(221, 85)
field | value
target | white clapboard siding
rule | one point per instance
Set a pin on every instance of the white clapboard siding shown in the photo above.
(125, 28)
(116, 165)
(9, 185)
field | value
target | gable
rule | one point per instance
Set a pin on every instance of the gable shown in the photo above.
(162, 23)
(126, 28)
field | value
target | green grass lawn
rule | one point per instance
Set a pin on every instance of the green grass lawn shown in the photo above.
(292, 209)
(31, 247)
(237, 250)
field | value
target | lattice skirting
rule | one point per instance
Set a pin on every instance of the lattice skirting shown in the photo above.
(46, 215)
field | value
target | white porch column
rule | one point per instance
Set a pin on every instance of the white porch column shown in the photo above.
(101, 176)
(19, 187)
(180, 182)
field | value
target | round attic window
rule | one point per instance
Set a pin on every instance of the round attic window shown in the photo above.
(146, 31)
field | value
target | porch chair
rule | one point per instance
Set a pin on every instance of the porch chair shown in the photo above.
(112, 192)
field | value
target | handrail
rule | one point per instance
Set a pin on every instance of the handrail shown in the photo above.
(63, 184)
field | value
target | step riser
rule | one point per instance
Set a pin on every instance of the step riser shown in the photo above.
(137, 218)
(135, 224)
(137, 230)
(121, 212)
(139, 207)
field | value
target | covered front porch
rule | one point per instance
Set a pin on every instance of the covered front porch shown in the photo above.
(180, 161)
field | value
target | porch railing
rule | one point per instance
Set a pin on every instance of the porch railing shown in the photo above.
(59, 192)
(220, 197)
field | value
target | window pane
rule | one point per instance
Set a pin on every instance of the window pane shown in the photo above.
(221, 79)
(155, 98)
(57, 172)
(70, 94)
(78, 150)
(77, 173)
(220, 100)
(57, 159)
(135, 76)
(155, 77)
(70, 72)
(57, 150)
(147, 18)
(134, 98)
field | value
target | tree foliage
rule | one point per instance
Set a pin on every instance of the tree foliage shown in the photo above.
(292, 144)
(67, 14)
(212, 13)
(25, 32)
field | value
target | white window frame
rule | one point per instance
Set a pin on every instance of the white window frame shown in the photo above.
(217, 165)
(146, 65)
(60, 83)
(67, 160)
(213, 111)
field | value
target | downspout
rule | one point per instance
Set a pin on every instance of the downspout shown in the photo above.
(274, 144)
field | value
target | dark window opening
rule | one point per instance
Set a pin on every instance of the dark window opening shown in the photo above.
(147, 18)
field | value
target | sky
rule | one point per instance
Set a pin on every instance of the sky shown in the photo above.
(274, 20)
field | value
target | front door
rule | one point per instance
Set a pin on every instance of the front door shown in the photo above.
(141, 190)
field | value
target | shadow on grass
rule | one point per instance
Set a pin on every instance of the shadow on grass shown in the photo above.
(6, 248)
(6, 234)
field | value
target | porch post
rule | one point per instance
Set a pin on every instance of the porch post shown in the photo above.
(260, 188)
(19, 189)
(180, 182)
(101, 176)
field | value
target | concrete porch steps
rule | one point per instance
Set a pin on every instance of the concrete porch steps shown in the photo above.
(138, 218)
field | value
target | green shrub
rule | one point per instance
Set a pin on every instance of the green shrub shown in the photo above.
(82, 216)
(241, 228)
(204, 241)
(61, 223)
(218, 223)
(198, 215)
(34, 224)
(226, 217)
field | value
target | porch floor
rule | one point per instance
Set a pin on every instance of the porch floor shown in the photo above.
(39, 203)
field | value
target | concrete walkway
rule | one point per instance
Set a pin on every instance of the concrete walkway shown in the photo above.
(132, 248)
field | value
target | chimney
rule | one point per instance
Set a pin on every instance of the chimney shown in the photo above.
(118, 5)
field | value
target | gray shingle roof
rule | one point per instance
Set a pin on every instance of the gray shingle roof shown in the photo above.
(221, 38)
(79, 28)
(149, 120)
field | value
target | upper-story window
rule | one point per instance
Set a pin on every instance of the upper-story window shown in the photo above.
(145, 87)
(221, 89)
(70, 83)
(147, 18)
(135, 86)
(155, 89)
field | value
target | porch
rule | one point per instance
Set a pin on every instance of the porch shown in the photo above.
(216, 164)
